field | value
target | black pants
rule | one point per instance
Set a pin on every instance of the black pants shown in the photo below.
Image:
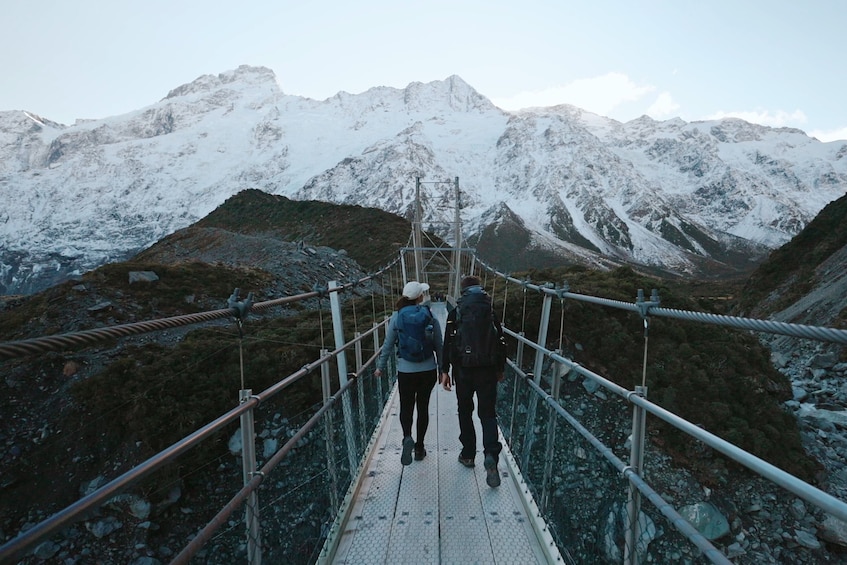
(483, 382)
(415, 390)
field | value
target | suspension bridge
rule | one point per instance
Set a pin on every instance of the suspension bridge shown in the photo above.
(569, 493)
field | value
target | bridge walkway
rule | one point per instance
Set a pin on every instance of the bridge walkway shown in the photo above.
(437, 510)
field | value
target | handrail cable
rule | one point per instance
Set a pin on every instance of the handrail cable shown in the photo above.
(206, 533)
(776, 475)
(44, 529)
(768, 326)
(15, 349)
(682, 525)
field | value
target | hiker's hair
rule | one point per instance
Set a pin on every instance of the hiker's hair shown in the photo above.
(402, 302)
(470, 280)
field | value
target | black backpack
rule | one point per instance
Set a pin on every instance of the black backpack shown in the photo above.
(477, 340)
(414, 333)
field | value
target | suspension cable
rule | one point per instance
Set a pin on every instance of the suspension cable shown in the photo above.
(644, 366)
(355, 321)
(239, 323)
(523, 313)
(373, 305)
(561, 321)
(321, 320)
(505, 298)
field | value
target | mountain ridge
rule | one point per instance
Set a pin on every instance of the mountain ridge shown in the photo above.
(686, 198)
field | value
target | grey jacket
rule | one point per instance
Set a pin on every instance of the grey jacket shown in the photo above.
(404, 366)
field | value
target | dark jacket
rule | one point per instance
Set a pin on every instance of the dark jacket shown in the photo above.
(450, 356)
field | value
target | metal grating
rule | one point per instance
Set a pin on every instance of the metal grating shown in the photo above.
(436, 510)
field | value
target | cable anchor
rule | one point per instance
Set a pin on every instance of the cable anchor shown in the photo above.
(240, 307)
(644, 306)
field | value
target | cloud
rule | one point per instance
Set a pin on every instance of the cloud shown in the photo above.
(778, 119)
(663, 107)
(600, 95)
(830, 135)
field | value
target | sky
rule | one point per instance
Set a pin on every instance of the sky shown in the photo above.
(778, 63)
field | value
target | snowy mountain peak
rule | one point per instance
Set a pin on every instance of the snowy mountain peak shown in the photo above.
(244, 76)
(452, 93)
(692, 198)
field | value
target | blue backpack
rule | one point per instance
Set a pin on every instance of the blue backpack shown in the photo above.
(414, 333)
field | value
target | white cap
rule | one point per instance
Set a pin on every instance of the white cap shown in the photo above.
(414, 289)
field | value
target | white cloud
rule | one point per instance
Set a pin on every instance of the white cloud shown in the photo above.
(599, 95)
(830, 135)
(663, 107)
(763, 117)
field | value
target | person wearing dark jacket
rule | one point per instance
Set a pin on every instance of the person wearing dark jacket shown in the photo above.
(475, 378)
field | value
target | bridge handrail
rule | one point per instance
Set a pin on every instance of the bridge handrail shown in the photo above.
(22, 348)
(680, 523)
(205, 534)
(19, 545)
(818, 333)
(786, 480)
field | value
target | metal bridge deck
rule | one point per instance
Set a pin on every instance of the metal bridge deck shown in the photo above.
(436, 510)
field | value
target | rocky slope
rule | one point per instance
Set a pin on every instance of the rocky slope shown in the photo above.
(764, 524)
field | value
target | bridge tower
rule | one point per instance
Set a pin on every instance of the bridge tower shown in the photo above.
(437, 262)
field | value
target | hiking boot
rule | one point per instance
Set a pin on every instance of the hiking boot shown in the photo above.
(466, 461)
(408, 445)
(492, 475)
(420, 453)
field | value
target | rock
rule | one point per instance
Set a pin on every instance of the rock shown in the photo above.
(142, 276)
(707, 519)
(807, 539)
(834, 531)
(100, 307)
(798, 509)
(131, 504)
(780, 360)
(269, 448)
(735, 550)
(823, 361)
(104, 527)
(235, 443)
(145, 561)
(87, 488)
(46, 550)
(590, 385)
(800, 394)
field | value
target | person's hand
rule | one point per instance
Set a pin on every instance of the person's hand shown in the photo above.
(500, 377)
(445, 381)
(378, 373)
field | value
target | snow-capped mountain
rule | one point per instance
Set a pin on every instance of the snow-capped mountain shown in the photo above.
(681, 196)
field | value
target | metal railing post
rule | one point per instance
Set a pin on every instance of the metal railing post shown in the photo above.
(556, 374)
(636, 463)
(518, 363)
(539, 366)
(457, 237)
(376, 348)
(360, 389)
(519, 353)
(329, 432)
(248, 461)
(341, 360)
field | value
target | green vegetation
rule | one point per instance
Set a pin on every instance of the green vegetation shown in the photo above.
(181, 289)
(791, 268)
(719, 378)
(157, 395)
(369, 236)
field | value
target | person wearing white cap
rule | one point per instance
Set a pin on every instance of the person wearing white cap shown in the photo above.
(414, 334)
